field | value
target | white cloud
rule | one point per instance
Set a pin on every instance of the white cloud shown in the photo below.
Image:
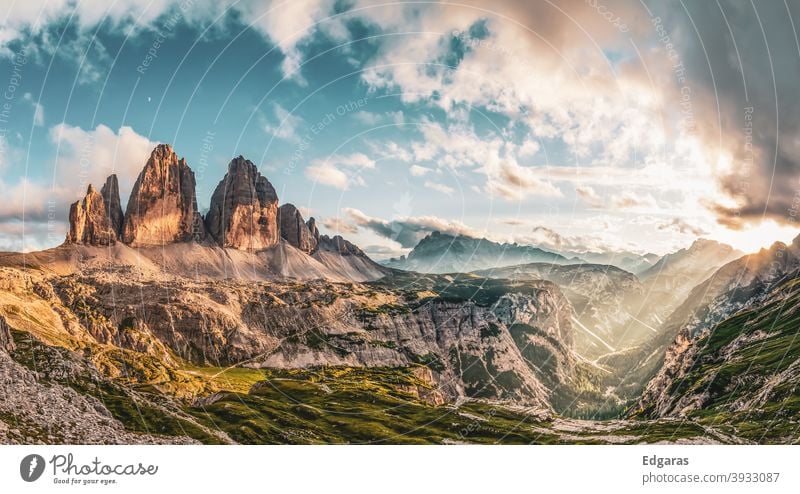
(287, 125)
(90, 156)
(286, 24)
(338, 225)
(290, 24)
(30, 235)
(529, 148)
(444, 189)
(629, 200)
(548, 238)
(325, 173)
(589, 196)
(341, 172)
(682, 226)
(457, 146)
(419, 171)
(510, 180)
(38, 110)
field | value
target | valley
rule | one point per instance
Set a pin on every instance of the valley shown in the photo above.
(246, 325)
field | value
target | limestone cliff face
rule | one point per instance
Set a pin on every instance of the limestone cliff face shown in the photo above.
(311, 224)
(163, 208)
(88, 222)
(110, 193)
(244, 209)
(295, 231)
(514, 347)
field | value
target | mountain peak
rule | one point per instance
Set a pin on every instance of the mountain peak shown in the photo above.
(244, 209)
(295, 231)
(110, 193)
(89, 222)
(162, 207)
(705, 243)
(162, 151)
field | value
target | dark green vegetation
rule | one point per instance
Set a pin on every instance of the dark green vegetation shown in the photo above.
(347, 405)
(745, 375)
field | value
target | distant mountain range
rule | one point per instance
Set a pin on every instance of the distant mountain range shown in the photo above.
(445, 253)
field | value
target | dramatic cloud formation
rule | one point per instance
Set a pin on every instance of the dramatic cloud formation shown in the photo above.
(744, 85)
(685, 114)
(289, 25)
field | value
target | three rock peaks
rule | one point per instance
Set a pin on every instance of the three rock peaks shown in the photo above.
(162, 209)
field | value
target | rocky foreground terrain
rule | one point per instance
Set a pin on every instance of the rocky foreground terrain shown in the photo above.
(246, 325)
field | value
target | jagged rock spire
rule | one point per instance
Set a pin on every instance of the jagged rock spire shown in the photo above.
(162, 208)
(88, 221)
(244, 209)
(295, 231)
(110, 193)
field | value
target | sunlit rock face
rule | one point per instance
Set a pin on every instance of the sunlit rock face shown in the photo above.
(88, 222)
(244, 209)
(162, 208)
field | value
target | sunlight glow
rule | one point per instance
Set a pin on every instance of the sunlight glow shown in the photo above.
(752, 239)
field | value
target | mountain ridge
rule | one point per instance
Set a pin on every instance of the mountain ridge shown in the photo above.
(243, 233)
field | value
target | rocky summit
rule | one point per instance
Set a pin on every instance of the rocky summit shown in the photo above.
(295, 231)
(88, 221)
(162, 208)
(110, 193)
(244, 209)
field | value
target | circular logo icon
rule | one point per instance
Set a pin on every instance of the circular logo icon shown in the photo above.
(31, 468)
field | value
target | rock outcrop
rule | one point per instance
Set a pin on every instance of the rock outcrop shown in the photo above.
(311, 224)
(110, 193)
(163, 208)
(295, 231)
(244, 209)
(88, 221)
(6, 341)
(338, 245)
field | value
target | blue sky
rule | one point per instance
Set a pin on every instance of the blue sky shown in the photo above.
(526, 123)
